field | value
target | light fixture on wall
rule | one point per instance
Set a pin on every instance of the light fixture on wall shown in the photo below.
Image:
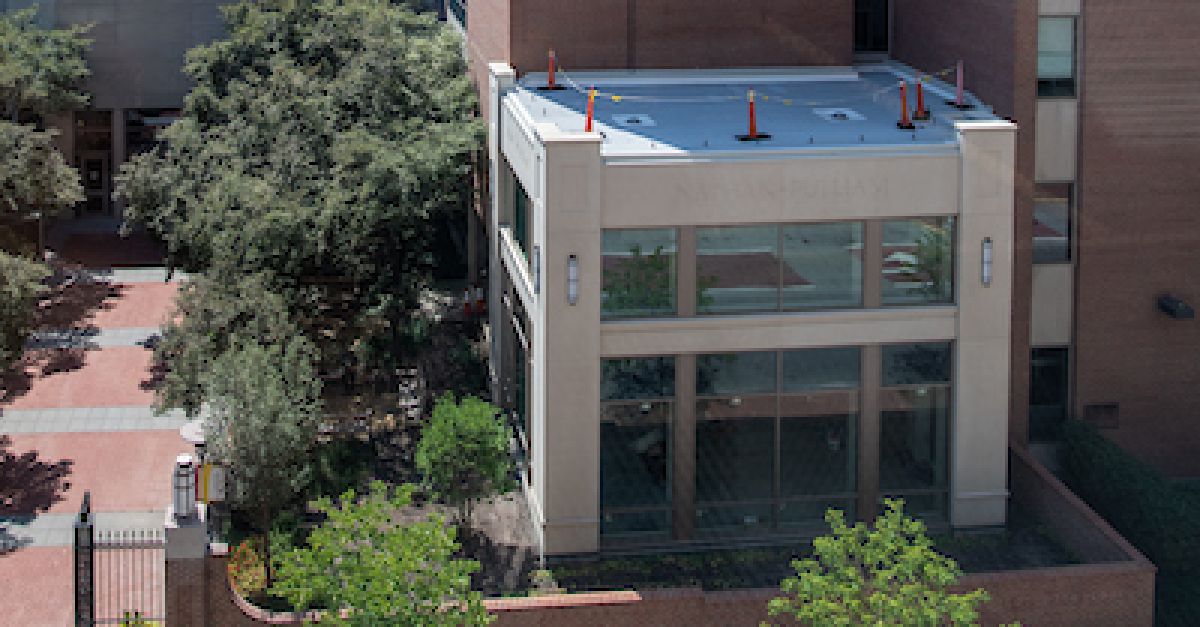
(1175, 307)
(572, 279)
(985, 272)
(537, 269)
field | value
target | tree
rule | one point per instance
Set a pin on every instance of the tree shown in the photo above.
(41, 70)
(33, 174)
(319, 142)
(20, 288)
(888, 575)
(211, 318)
(377, 571)
(464, 452)
(265, 409)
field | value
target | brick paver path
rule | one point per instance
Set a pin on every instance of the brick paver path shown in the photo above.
(75, 417)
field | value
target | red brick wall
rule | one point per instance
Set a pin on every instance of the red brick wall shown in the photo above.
(617, 34)
(997, 40)
(1083, 596)
(1139, 224)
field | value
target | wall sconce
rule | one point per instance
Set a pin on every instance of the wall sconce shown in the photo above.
(985, 270)
(1175, 307)
(537, 269)
(572, 279)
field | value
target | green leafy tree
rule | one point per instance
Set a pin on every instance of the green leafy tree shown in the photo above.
(321, 140)
(464, 452)
(265, 410)
(20, 288)
(886, 575)
(210, 318)
(41, 70)
(33, 174)
(370, 569)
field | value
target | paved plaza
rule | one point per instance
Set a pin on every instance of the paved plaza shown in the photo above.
(75, 416)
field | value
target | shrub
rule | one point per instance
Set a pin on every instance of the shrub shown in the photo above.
(247, 572)
(885, 574)
(1160, 518)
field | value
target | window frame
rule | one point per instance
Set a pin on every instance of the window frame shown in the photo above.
(1051, 88)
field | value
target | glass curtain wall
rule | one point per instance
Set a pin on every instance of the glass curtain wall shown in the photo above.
(775, 439)
(636, 415)
(914, 427)
(918, 261)
(639, 273)
(742, 269)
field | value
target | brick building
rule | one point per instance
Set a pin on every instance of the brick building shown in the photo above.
(1105, 118)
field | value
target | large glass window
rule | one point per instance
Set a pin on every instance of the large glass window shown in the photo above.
(737, 269)
(521, 210)
(775, 439)
(1052, 223)
(1056, 57)
(822, 267)
(636, 414)
(1048, 387)
(918, 261)
(914, 426)
(743, 269)
(639, 273)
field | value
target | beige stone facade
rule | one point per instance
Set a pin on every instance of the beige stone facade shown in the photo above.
(580, 185)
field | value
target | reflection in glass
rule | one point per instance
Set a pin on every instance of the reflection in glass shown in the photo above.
(735, 373)
(639, 273)
(913, 438)
(822, 265)
(1052, 223)
(1056, 57)
(820, 369)
(734, 459)
(737, 269)
(909, 364)
(742, 518)
(817, 454)
(635, 468)
(918, 261)
(635, 378)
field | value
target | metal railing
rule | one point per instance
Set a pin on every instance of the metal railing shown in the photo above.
(120, 575)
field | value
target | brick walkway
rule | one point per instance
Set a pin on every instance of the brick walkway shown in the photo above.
(74, 414)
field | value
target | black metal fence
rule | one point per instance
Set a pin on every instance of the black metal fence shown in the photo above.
(119, 574)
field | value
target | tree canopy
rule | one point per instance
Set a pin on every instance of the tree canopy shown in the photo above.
(379, 571)
(211, 318)
(464, 452)
(41, 70)
(886, 575)
(265, 410)
(320, 139)
(33, 174)
(20, 287)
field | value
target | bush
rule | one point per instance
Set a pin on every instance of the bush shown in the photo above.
(1161, 518)
(247, 572)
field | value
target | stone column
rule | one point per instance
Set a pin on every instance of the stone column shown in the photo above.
(979, 458)
(118, 157)
(186, 554)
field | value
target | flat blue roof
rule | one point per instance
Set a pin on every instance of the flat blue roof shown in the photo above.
(663, 112)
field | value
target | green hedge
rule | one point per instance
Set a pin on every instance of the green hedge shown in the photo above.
(1160, 518)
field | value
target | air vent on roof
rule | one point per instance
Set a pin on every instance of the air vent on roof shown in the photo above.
(633, 119)
(840, 114)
